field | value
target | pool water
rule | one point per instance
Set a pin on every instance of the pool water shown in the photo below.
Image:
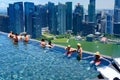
(31, 62)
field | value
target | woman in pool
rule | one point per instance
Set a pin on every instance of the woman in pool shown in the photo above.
(42, 43)
(96, 59)
(26, 38)
(79, 51)
(50, 44)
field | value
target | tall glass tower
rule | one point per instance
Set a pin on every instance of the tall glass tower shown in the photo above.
(77, 19)
(68, 15)
(117, 11)
(91, 11)
(29, 10)
(61, 18)
(19, 23)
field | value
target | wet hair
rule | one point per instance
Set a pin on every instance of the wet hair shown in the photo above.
(42, 40)
(49, 42)
(25, 35)
(16, 34)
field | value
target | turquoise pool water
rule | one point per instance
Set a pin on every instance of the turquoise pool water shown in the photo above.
(31, 62)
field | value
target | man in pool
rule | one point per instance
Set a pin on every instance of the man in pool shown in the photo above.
(42, 43)
(26, 38)
(15, 38)
(69, 50)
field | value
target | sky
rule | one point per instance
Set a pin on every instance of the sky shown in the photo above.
(100, 4)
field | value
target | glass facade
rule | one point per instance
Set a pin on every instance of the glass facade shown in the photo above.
(19, 23)
(91, 11)
(77, 19)
(68, 15)
(61, 18)
(29, 10)
(109, 24)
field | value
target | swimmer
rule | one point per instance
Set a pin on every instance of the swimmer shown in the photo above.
(96, 59)
(69, 50)
(11, 34)
(42, 43)
(50, 44)
(79, 51)
(15, 38)
(26, 38)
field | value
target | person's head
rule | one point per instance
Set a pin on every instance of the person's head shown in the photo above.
(42, 40)
(49, 42)
(25, 35)
(97, 53)
(16, 34)
(78, 45)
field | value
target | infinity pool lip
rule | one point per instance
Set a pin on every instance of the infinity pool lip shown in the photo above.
(62, 48)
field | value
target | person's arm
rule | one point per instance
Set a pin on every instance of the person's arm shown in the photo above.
(88, 57)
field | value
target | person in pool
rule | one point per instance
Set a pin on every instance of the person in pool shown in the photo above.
(15, 38)
(50, 44)
(79, 51)
(42, 43)
(11, 34)
(96, 59)
(69, 50)
(26, 38)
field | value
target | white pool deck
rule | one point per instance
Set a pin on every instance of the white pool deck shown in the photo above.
(109, 72)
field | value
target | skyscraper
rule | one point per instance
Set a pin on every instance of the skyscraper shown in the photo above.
(4, 22)
(61, 18)
(19, 23)
(116, 28)
(52, 17)
(68, 15)
(36, 25)
(109, 24)
(11, 14)
(91, 11)
(77, 19)
(117, 11)
(29, 10)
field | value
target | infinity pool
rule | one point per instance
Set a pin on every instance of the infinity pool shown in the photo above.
(31, 62)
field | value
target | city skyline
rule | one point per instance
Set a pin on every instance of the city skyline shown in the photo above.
(99, 3)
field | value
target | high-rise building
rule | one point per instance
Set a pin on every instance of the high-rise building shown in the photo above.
(11, 15)
(116, 28)
(52, 17)
(88, 28)
(117, 11)
(109, 24)
(4, 22)
(77, 19)
(61, 18)
(91, 11)
(29, 10)
(19, 23)
(36, 25)
(68, 15)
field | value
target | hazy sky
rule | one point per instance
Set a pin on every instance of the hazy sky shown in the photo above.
(100, 4)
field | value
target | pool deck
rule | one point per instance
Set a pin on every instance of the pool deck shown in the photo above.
(100, 69)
